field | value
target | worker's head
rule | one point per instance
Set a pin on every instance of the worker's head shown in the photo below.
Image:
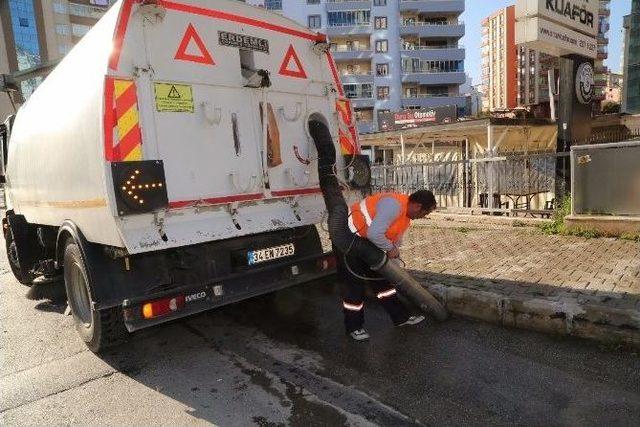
(421, 204)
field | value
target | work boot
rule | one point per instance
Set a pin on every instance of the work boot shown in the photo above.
(359, 335)
(413, 320)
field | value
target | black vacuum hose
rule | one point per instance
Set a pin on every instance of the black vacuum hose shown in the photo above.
(347, 242)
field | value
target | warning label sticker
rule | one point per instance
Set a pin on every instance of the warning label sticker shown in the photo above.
(173, 98)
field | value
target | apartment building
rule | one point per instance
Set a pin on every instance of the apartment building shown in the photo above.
(631, 66)
(534, 66)
(392, 54)
(36, 32)
(499, 61)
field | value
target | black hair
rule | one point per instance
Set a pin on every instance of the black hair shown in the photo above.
(425, 198)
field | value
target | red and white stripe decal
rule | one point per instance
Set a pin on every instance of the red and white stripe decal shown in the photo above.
(216, 200)
(121, 31)
(125, 14)
(334, 73)
(296, 192)
(109, 117)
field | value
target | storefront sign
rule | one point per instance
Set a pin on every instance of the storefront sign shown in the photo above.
(578, 15)
(410, 119)
(554, 39)
(584, 83)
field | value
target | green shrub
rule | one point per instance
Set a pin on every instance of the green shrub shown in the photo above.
(556, 225)
(634, 237)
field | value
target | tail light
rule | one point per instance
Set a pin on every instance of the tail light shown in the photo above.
(327, 263)
(162, 307)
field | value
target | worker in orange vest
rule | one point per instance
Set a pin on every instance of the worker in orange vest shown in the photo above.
(382, 219)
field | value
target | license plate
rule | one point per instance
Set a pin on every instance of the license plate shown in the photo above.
(269, 254)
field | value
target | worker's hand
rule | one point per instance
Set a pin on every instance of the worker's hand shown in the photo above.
(393, 253)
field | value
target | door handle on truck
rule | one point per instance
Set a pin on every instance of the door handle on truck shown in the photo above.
(213, 116)
(236, 184)
(296, 116)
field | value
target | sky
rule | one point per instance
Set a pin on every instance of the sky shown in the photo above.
(477, 10)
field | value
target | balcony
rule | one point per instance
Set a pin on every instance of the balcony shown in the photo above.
(429, 29)
(428, 101)
(86, 11)
(428, 6)
(438, 78)
(604, 12)
(363, 102)
(349, 29)
(338, 5)
(356, 78)
(350, 54)
(434, 53)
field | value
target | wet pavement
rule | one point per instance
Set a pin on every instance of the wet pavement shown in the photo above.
(283, 359)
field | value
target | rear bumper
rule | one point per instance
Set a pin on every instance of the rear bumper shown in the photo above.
(230, 289)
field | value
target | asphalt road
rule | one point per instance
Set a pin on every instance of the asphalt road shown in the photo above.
(283, 359)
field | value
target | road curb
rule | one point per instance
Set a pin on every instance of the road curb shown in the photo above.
(558, 316)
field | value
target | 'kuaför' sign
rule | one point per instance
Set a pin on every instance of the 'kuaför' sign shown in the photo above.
(578, 15)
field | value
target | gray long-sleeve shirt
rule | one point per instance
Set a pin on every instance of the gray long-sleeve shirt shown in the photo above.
(387, 211)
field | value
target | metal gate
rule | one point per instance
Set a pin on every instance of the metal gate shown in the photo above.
(510, 181)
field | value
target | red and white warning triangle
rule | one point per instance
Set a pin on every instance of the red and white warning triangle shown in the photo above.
(291, 66)
(201, 55)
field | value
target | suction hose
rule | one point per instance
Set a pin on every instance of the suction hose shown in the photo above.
(347, 242)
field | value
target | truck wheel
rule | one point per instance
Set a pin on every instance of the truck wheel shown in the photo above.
(99, 329)
(24, 277)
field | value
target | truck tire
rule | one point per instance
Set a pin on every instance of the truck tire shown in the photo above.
(99, 329)
(24, 277)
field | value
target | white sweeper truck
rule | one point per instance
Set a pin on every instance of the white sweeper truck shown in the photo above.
(170, 164)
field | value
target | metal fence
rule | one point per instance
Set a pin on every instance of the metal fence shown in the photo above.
(503, 181)
(514, 180)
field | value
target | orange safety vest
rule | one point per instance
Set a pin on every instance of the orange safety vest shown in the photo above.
(362, 215)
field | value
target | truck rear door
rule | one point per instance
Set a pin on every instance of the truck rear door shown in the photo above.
(208, 123)
(204, 131)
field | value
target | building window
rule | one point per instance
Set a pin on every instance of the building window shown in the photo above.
(383, 92)
(382, 69)
(313, 1)
(358, 91)
(86, 10)
(379, 2)
(314, 21)
(417, 65)
(349, 18)
(273, 4)
(79, 30)
(60, 8)
(25, 34)
(63, 29)
(380, 22)
(382, 46)
(63, 49)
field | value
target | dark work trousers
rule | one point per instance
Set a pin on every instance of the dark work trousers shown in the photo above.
(354, 289)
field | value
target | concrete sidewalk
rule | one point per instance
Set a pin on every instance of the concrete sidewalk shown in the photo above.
(517, 276)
